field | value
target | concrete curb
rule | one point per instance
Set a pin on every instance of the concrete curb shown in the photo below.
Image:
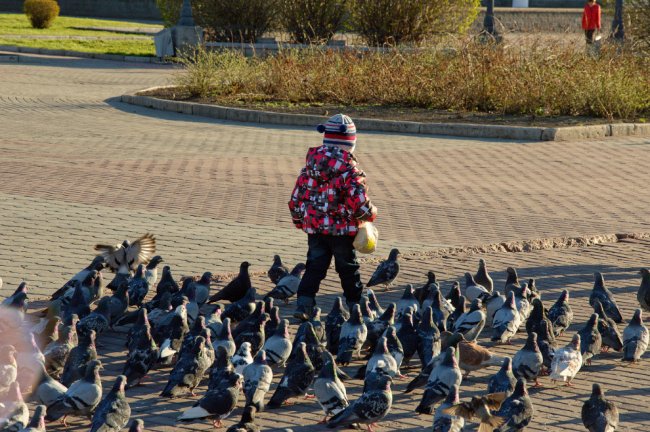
(68, 53)
(523, 133)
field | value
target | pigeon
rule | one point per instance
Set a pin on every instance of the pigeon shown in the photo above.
(298, 376)
(142, 326)
(635, 338)
(82, 396)
(317, 324)
(114, 411)
(527, 362)
(80, 356)
(367, 313)
(506, 321)
(606, 298)
(202, 288)
(213, 322)
(428, 337)
(247, 422)
(441, 379)
(48, 390)
(599, 414)
(480, 407)
(30, 360)
(118, 304)
(313, 346)
(512, 281)
(503, 381)
(48, 333)
(126, 257)
(278, 347)
(371, 407)
(141, 358)
(471, 323)
(287, 286)
(472, 357)
(138, 287)
(378, 326)
(217, 404)
(166, 284)
(195, 331)
(537, 315)
(14, 414)
(492, 304)
(97, 321)
(328, 388)
(517, 409)
(381, 355)
(353, 335)
(56, 353)
(643, 295)
(171, 336)
(473, 290)
(408, 337)
(254, 336)
(608, 329)
(225, 339)
(250, 321)
(151, 270)
(137, 426)
(459, 307)
(560, 314)
(257, 381)
(97, 264)
(8, 368)
(277, 270)
(443, 422)
(242, 358)
(439, 312)
(590, 339)
(547, 346)
(192, 306)
(374, 303)
(408, 301)
(522, 302)
(567, 361)
(37, 422)
(188, 371)
(422, 293)
(386, 271)
(17, 301)
(242, 308)
(482, 277)
(333, 323)
(222, 370)
(394, 347)
(76, 305)
(236, 288)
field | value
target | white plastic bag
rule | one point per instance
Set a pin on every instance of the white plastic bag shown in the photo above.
(366, 238)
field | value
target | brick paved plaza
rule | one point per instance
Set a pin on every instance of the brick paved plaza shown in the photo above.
(77, 167)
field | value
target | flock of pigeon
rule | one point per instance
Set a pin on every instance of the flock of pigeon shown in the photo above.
(235, 341)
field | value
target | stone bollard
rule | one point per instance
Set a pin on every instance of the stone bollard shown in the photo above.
(186, 35)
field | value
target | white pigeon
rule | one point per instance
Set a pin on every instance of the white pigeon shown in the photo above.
(242, 358)
(473, 290)
(567, 361)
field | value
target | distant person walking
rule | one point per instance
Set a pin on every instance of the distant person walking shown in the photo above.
(591, 20)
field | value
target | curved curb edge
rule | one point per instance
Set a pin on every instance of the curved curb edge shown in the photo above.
(521, 133)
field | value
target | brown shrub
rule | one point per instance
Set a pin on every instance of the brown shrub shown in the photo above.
(41, 13)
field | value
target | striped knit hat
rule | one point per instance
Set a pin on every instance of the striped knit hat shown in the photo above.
(339, 130)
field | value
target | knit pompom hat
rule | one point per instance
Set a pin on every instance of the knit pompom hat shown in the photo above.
(339, 130)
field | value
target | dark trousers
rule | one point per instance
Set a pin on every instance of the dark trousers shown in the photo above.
(589, 35)
(319, 256)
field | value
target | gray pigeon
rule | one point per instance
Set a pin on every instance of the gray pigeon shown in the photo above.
(471, 323)
(151, 270)
(250, 321)
(482, 277)
(48, 390)
(298, 376)
(473, 290)
(170, 336)
(138, 287)
(394, 347)
(118, 304)
(441, 379)
(367, 313)
(274, 321)
(222, 370)
(8, 368)
(492, 304)
(429, 343)
(254, 335)
(97, 264)
(225, 339)
(202, 288)
(247, 422)
(313, 346)
(216, 404)
(635, 338)
(333, 323)
(278, 347)
(512, 280)
(287, 286)
(386, 271)
(439, 311)
(98, 320)
(188, 371)
(138, 330)
(141, 358)
(560, 314)
(408, 337)
(643, 295)
(80, 356)
(15, 414)
(590, 339)
(408, 301)
(598, 413)
(353, 335)
(378, 326)
(536, 317)
(503, 381)
(382, 356)
(528, 361)
(506, 321)
(37, 423)
(522, 301)
(547, 346)
(608, 329)
(278, 270)
(214, 322)
(374, 303)
(242, 308)
(114, 411)
(443, 422)
(242, 357)
(517, 410)
(606, 298)
(371, 407)
(82, 396)
(328, 388)
(167, 284)
(257, 381)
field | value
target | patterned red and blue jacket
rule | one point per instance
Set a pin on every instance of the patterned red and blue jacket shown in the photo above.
(330, 196)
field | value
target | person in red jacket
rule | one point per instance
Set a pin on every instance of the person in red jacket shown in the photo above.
(329, 202)
(591, 20)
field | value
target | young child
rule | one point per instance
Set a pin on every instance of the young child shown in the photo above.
(329, 202)
(591, 20)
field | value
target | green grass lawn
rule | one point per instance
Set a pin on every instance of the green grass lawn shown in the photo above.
(12, 24)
